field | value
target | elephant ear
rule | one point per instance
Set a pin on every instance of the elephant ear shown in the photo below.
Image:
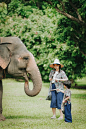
(4, 56)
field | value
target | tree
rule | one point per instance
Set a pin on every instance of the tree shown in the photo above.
(47, 34)
(3, 12)
(75, 11)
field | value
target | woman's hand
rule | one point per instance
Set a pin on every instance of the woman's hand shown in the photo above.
(57, 89)
(56, 81)
(50, 79)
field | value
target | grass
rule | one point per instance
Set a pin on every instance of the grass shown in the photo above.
(23, 112)
(81, 83)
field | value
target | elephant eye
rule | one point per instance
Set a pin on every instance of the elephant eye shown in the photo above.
(25, 58)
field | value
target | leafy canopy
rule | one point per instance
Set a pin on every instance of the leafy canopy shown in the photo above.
(47, 34)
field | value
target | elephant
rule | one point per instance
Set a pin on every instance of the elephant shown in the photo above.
(17, 61)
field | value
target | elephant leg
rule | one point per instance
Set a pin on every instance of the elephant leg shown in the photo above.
(2, 118)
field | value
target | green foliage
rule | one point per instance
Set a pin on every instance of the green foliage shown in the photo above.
(47, 35)
(75, 60)
(16, 7)
(3, 12)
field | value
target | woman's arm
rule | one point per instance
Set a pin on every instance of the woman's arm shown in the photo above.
(51, 75)
(60, 90)
(61, 80)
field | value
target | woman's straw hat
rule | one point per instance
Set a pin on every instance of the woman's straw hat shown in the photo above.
(56, 61)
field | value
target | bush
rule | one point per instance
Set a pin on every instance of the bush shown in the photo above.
(3, 12)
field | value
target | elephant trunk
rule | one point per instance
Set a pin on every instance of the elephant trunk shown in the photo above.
(35, 76)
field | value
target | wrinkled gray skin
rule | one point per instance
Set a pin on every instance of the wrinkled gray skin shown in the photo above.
(18, 61)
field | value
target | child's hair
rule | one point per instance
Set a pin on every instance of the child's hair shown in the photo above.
(67, 84)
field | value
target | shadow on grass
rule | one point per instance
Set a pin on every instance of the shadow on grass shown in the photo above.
(79, 96)
(79, 87)
(22, 116)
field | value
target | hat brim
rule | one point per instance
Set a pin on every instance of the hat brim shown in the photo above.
(52, 65)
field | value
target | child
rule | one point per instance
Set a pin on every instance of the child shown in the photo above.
(67, 101)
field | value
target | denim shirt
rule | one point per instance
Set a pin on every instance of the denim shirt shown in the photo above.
(60, 75)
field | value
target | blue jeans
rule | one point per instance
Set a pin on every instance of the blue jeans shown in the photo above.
(68, 116)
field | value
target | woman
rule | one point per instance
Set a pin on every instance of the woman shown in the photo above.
(56, 77)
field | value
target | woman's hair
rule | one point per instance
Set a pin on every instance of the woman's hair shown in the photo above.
(59, 67)
(67, 84)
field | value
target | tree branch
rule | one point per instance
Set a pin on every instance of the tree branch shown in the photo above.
(78, 37)
(79, 17)
(66, 14)
(78, 44)
(63, 7)
(82, 52)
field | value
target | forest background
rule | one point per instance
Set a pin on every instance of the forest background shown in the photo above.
(49, 29)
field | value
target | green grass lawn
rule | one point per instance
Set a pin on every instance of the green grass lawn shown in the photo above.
(23, 112)
(81, 83)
